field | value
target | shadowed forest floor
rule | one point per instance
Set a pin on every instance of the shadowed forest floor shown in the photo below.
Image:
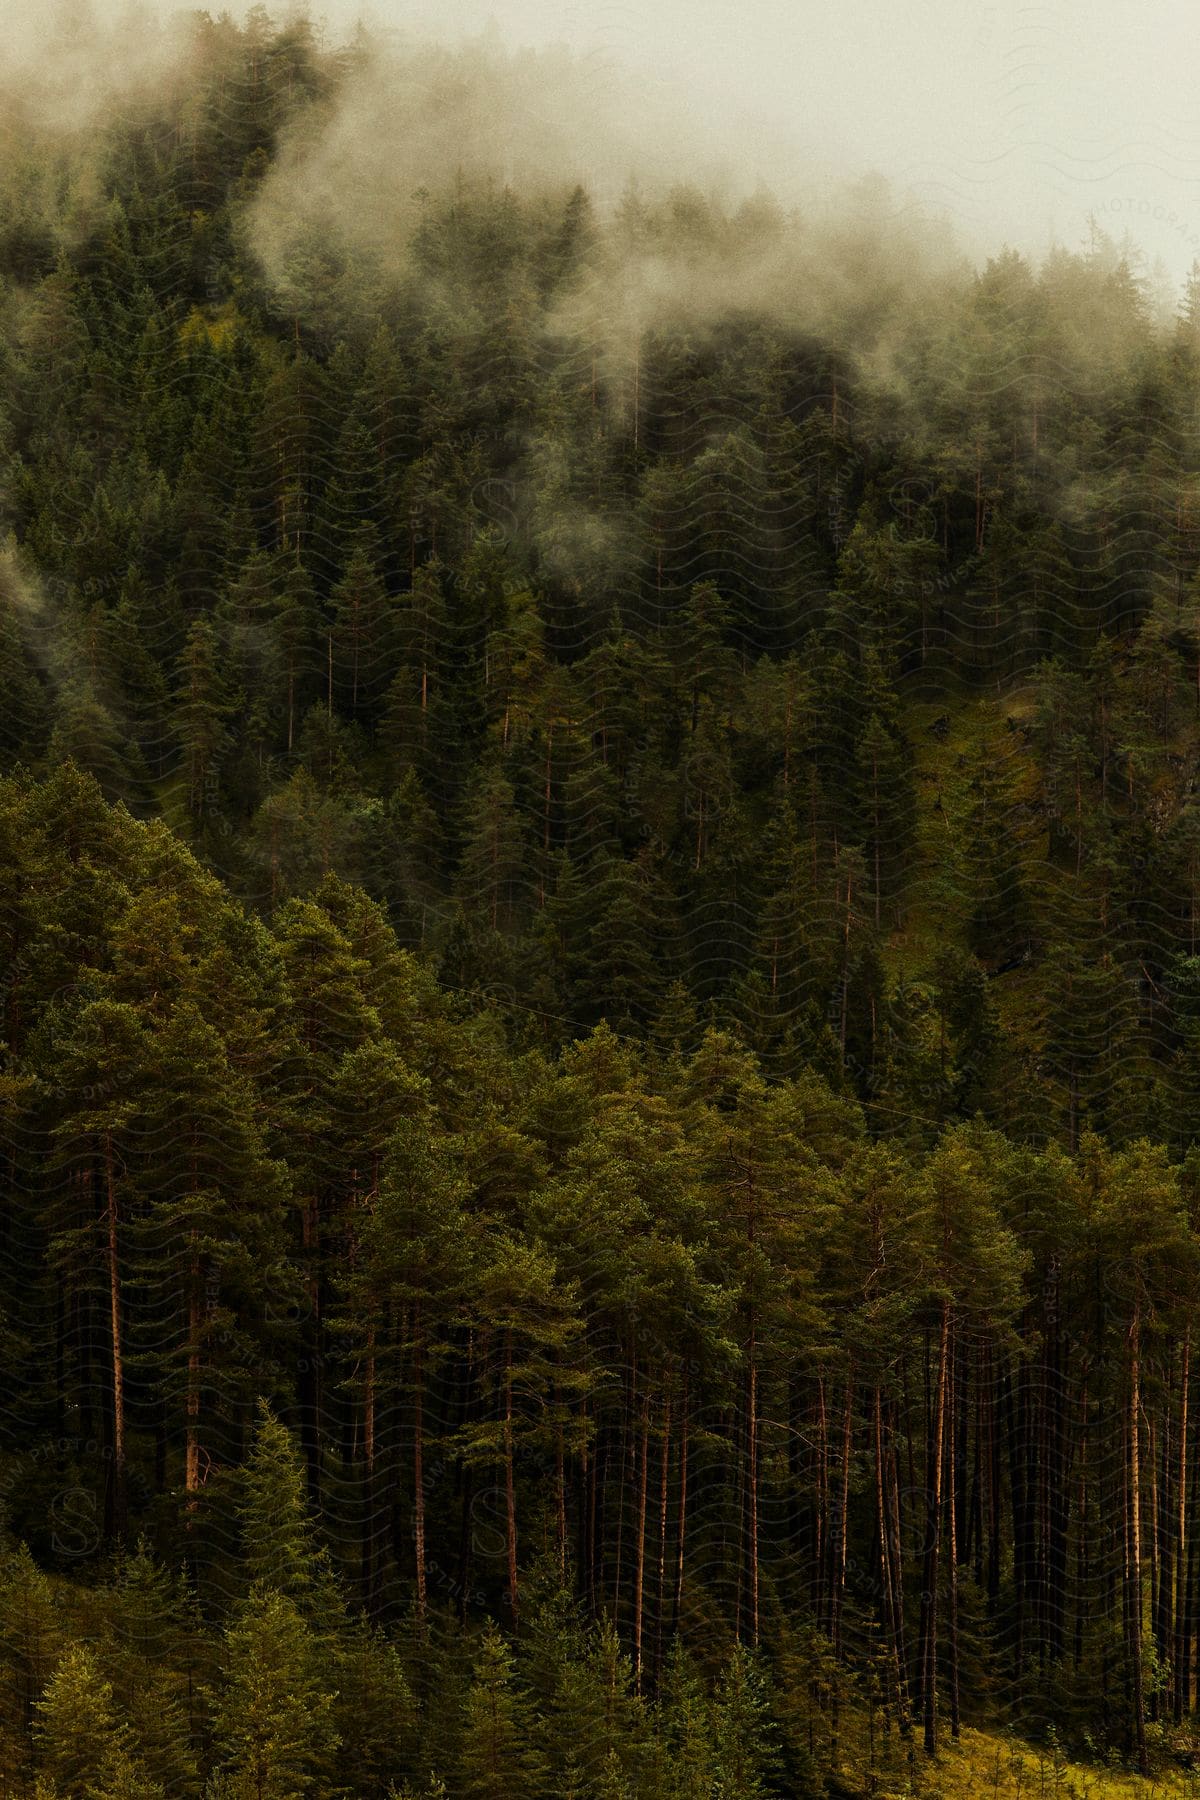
(988, 1766)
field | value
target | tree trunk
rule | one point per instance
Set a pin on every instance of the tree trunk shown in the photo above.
(896, 1527)
(191, 1454)
(419, 1461)
(626, 1418)
(994, 1527)
(1187, 1659)
(952, 1556)
(1016, 1393)
(1179, 1656)
(591, 1513)
(845, 970)
(752, 1480)
(1161, 1534)
(309, 1382)
(933, 1524)
(1135, 1545)
(560, 1502)
(639, 1561)
(510, 1494)
(368, 1522)
(681, 1517)
(119, 1482)
(841, 1541)
(664, 1469)
(819, 1530)
(1082, 1560)
(890, 1596)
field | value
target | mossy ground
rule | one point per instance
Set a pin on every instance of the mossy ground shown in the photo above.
(982, 1766)
(988, 1766)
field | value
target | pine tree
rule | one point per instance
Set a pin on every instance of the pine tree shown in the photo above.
(374, 1714)
(493, 875)
(202, 706)
(361, 637)
(415, 1261)
(887, 806)
(83, 1747)
(280, 1554)
(745, 1738)
(686, 1750)
(530, 1318)
(148, 1628)
(213, 1215)
(496, 1757)
(31, 1643)
(273, 1716)
(105, 1068)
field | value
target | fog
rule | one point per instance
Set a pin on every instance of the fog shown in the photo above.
(1017, 121)
(1025, 124)
(1020, 123)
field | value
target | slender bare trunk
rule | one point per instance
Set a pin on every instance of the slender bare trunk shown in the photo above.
(681, 1516)
(560, 1501)
(639, 1563)
(1135, 1543)
(368, 1527)
(510, 1494)
(191, 1455)
(933, 1544)
(952, 1557)
(841, 1542)
(822, 1500)
(664, 1468)
(118, 1358)
(752, 1477)
(1179, 1655)
(419, 1460)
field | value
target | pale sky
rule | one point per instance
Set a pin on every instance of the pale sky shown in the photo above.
(1016, 120)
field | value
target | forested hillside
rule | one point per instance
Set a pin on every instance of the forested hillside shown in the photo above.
(600, 980)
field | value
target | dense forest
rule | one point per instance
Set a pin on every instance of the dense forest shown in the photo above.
(600, 986)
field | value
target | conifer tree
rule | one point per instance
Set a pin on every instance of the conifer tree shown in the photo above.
(83, 1746)
(496, 1754)
(281, 1556)
(273, 1715)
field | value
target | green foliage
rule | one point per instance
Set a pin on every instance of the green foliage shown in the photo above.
(273, 1726)
(83, 1747)
(759, 1265)
(280, 1552)
(496, 1756)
